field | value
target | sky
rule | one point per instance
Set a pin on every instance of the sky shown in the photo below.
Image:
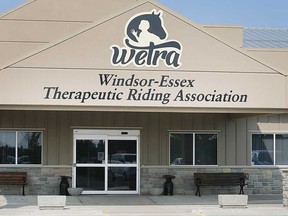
(248, 13)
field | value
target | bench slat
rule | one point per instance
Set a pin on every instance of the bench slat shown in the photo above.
(219, 179)
(14, 178)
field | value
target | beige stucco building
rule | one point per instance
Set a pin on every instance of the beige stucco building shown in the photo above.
(116, 94)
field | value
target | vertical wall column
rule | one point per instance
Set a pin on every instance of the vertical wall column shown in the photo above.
(285, 187)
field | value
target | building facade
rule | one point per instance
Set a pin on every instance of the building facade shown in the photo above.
(128, 94)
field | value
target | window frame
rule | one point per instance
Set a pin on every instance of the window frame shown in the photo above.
(274, 134)
(16, 146)
(194, 133)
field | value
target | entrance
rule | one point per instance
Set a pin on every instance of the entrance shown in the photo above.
(106, 161)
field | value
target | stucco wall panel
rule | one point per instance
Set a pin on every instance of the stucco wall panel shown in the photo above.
(277, 57)
(230, 33)
(91, 48)
(67, 10)
(32, 31)
(38, 87)
(12, 50)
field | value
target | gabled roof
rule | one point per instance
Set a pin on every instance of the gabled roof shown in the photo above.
(38, 22)
(202, 49)
(50, 20)
(76, 63)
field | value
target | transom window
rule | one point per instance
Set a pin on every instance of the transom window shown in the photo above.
(21, 147)
(193, 148)
(269, 149)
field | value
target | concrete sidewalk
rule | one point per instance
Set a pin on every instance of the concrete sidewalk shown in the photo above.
(121, 205)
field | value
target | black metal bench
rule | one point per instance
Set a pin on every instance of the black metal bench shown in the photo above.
(219, 179)
(14, 178)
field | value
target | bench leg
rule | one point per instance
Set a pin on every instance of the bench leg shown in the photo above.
(23, 190)
(198, 191)
(241, 189)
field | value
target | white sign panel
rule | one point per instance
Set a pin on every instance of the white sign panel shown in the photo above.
(142, 89)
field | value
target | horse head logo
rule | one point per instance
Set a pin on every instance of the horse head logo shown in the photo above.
(146, 28)
(146, 43)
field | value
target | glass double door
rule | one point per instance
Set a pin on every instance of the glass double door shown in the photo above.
(106, 164)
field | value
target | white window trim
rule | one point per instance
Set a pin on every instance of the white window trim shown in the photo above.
(193, 133)
(274, 133)
(16, 147)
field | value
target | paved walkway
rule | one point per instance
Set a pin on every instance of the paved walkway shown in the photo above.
(128, 205)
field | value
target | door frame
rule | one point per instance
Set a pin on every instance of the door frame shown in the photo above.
(112, 134)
